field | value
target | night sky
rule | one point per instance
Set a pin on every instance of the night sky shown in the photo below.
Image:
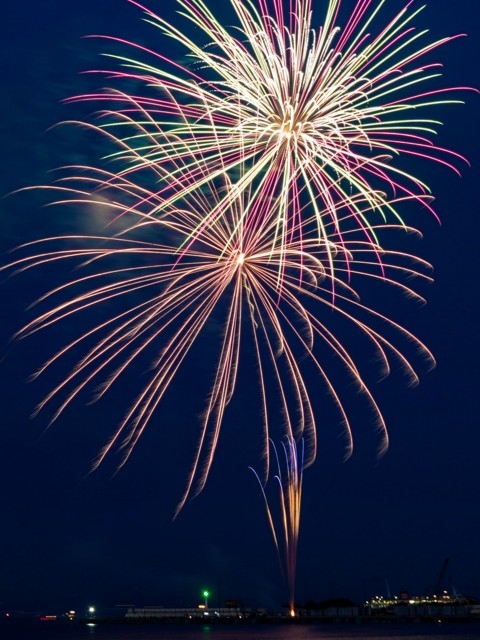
(70, 538)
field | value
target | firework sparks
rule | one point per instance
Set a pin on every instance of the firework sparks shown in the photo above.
(169, 284)
(256, 185)
(299, 114)
(290, 500)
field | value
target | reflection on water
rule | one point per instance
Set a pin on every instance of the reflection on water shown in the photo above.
(54, 631)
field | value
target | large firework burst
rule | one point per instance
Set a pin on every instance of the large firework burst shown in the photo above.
(256, 182)
(299, 114)
(168, 284)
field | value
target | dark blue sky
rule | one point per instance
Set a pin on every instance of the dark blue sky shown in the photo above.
(69, 539)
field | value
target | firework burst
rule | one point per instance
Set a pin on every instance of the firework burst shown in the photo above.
(298, 114)
(169, 283)
(256, 184)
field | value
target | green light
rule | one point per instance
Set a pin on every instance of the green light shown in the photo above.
(206, 594)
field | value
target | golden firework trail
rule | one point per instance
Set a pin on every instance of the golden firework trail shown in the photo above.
(286, 528)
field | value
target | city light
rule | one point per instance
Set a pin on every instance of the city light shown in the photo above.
(206, 594)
